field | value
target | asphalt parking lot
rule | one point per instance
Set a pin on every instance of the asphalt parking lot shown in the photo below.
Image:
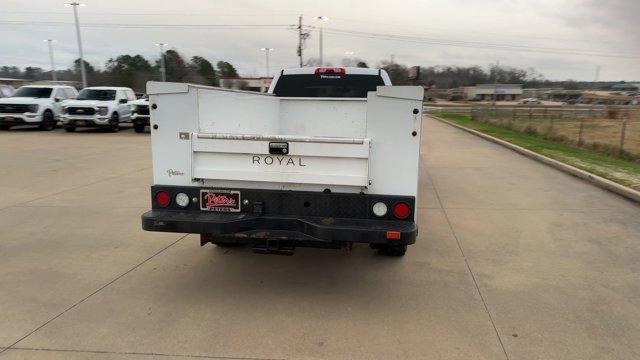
(515, 260)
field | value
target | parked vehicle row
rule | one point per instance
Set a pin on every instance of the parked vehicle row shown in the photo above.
(98, 107)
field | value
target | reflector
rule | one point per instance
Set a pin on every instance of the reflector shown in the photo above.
(393, 235)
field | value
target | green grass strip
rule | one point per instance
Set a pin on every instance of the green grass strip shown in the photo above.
(621, 171)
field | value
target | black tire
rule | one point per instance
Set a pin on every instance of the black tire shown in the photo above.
(393, 250)
(48, 122)
(138, 128)
(4, 127)
(69, 128)
(114, 122)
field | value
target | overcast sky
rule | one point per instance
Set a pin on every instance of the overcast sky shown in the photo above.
(561, 39)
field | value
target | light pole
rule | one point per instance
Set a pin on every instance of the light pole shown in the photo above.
(50, 42)
(266, 52)
(163, 69)
(350, 54)
(75, 15)
(321, 19)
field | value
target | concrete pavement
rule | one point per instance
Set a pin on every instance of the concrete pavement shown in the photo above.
(515, 260)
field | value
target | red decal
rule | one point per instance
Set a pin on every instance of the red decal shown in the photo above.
(214, 200)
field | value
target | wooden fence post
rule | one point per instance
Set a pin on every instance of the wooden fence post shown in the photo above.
(622, 136)
(580, 131)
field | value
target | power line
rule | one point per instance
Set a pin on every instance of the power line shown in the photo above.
(150, 26)
(477, 45)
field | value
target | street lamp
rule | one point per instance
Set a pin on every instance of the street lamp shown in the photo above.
(321, 19)
(267, 50)
(163, 69)
(54, 77)
(75, 15)
(350, 54)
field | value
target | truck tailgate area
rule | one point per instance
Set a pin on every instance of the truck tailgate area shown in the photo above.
(219, 137)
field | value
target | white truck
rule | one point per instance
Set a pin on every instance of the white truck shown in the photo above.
(140, 116)
(327, 158)
(35, 105)
(99, 106)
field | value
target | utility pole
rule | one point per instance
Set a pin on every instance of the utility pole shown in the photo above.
(267, 50)
(595, 79)
(322, 19)
(75, 15)
(302, 37)
(495, 82)
(163, 69)
(54, 77)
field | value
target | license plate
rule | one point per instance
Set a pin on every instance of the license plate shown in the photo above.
(81, 122)
(220, 200)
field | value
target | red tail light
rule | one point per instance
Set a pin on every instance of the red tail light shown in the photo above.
(401, 210)
(330, 70)
(162, 198)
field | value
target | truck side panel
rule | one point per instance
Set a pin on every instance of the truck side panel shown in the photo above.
(394, 130)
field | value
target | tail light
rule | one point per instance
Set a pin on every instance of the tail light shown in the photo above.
(162, 198)
(401, 210)
(330, 70)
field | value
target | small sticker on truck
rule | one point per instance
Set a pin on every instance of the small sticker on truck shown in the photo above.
(277, 160)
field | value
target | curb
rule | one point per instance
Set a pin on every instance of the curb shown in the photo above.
(596, 180)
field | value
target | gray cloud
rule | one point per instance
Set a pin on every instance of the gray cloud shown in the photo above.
(603, 27)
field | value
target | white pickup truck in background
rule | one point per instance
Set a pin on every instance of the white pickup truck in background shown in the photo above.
(98, 106)
(35, 105)
(328, 158)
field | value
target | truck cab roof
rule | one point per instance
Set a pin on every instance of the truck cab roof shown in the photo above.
(347, 70)
(328, 82)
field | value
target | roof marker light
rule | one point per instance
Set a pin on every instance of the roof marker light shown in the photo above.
(330, 70)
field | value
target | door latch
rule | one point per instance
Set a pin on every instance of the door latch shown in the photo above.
(278, 148)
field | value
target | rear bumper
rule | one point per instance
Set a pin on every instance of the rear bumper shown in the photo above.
(140, 119)
(305, 230)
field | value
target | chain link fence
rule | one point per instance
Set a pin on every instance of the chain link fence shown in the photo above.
(614, 130)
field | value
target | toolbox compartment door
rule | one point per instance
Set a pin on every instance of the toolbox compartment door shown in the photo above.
(305, 160)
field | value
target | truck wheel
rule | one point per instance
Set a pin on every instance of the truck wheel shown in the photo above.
(69, 128)
(393, 250)
(138, 127)
(114, 122)
(48, 121)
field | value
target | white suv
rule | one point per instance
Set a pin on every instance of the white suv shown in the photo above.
(34, 105)
(100, 106)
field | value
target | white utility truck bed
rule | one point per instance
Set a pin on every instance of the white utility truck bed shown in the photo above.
(329, 157)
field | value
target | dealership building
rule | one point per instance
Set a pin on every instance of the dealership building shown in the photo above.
(260, 84)
(486, 92)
